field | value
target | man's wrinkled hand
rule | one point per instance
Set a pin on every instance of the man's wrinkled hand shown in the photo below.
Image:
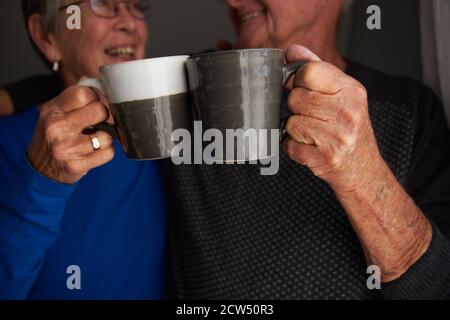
(330, 131)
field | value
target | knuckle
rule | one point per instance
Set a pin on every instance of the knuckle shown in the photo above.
(298, 157)
(334, 162)
(314, 71)
(81, 95)
(308, 73)
(110, 153)
(52, 129)
(290, 148)
(342, 99)
(360, 92)
(346, 142)
(349, 119)
(72, 168)
(334, 159)
(99, 111)
(314, 99)
(57, 151)
(84, 95)
(108, 140)
(293, 127)
(106, 155)
(47, 108)
(295, 152)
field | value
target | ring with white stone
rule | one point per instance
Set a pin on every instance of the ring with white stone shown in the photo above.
(95, 143)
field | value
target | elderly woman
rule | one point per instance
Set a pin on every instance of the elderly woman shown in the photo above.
(77, 219)
(364, 182)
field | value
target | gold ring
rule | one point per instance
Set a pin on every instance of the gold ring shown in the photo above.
(95, 143)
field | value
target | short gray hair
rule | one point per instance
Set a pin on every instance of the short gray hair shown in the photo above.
(48, 9)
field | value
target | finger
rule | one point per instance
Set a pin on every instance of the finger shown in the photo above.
(84, 144)
(296, 128)
(297, 52)
(310, 131)
(90, 83)
(101, 96)
(313, 104)
(91, 161)
(90, 115)
(104, 101)
(95, 85)
(322, 77)
(99, 158)
(74, 98)
(304, 154)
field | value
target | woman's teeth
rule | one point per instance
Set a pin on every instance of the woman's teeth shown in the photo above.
(121, 51)
(251, 16)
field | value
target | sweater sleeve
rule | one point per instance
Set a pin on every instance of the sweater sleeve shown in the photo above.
(428, 278)
(428, 184)
(31, 208)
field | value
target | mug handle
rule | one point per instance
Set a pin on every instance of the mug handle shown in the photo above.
(104, 126)
(288, 71)
(291, 68)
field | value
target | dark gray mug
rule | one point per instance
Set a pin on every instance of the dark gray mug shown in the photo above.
(240, 89)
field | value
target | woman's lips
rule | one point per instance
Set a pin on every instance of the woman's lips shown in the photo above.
(121, 51)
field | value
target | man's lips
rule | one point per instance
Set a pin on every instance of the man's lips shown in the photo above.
(243, 18)
(251, 16)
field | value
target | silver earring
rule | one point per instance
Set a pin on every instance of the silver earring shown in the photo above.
(55, 66)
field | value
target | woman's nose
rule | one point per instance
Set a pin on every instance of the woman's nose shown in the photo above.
(125, 21)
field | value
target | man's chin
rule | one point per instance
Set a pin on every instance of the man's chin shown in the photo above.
(251, 45)
(252, 42)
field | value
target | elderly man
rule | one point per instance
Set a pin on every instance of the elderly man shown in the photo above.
(362, 182)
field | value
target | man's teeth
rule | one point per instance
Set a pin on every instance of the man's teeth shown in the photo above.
(121, 51)
(251, 16)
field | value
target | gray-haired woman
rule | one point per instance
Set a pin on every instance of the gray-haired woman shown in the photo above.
(66, 230)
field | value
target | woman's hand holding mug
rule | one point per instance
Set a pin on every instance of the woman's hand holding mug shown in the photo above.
(60, 148)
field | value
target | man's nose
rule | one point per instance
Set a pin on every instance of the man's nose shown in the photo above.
(125, 21)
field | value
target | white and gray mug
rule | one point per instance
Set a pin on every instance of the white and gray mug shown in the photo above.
(149, 101)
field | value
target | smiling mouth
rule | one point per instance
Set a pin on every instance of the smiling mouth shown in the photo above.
(125, 52)
(251, 16)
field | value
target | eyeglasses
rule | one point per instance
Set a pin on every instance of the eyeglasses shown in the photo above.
(139, 9)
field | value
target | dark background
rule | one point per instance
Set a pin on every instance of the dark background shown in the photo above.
(180, 26)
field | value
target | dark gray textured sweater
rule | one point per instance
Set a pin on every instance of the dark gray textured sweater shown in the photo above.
(238, 235)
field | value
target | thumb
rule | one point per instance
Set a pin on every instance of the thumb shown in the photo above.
(297, 52)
